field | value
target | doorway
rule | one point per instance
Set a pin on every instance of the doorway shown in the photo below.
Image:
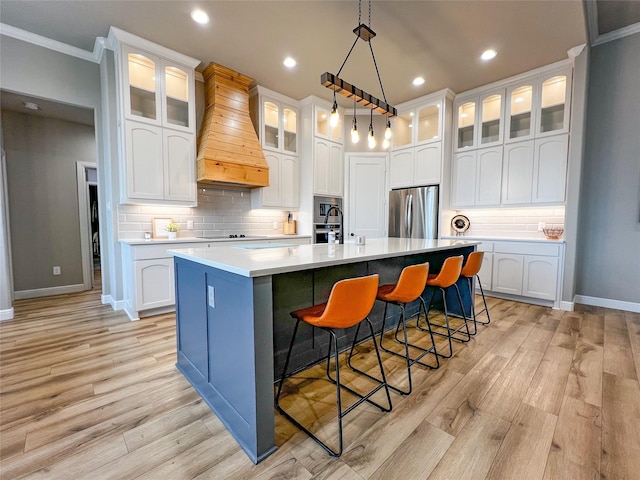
(87, 179)
(367, 195)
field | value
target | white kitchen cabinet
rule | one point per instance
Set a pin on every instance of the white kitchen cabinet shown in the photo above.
(550, 169)
(476, 177)
(540, 277)
(417, 155)
(179, 166)
(517, 173)
(463, 192)
(415, 166)
(527, 269)
(479, 119)
(156, 117)
(283, 191)
(154, 283)
(144, 172)
(328, 168)
(488, 176)
(275, 118)
(507, 273)
(539, 106)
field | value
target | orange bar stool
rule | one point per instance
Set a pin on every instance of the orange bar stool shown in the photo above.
(471, 269)
(447, 278)
(349, 304)
(409, 288)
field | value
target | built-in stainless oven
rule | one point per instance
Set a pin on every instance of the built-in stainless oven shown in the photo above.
(323, 224)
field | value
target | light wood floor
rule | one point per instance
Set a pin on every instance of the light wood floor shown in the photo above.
(538, 394)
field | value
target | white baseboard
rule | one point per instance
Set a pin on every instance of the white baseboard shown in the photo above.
(567, 306)
(115, 304)
(131, 314)
(6, 314)
(46, 292)
(608, 303)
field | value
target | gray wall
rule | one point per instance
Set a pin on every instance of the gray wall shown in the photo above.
(608, 262)
(43, 202)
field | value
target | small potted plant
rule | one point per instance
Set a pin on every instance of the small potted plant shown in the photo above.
(172, 229)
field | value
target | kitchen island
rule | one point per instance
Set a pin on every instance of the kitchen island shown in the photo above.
(233, 323)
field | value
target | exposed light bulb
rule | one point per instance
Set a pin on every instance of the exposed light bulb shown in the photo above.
(371, 139)
(335, 116)
(387, 131)
(355, 136)
(385, 143)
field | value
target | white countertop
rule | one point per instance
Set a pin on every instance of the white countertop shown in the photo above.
(270, 261)
(160, 241)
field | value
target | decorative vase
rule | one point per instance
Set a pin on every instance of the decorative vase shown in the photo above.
(173, 235)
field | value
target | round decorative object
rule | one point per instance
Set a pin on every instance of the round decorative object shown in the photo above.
(460, 223)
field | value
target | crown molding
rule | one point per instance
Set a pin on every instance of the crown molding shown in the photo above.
(616, 34)
(39, 40)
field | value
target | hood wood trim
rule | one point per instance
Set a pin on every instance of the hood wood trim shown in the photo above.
(229, 152)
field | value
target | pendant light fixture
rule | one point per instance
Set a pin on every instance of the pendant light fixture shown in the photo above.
(363, 98)
(355, 137)
(335, 116)
(371, 139)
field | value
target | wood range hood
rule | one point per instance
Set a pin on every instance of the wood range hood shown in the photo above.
(229, 152)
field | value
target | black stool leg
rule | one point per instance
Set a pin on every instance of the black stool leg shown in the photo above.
(484, 300)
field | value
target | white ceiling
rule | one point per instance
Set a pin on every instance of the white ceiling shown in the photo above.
(440, 40)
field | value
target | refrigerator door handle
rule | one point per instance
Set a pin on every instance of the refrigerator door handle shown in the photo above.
(409, 215)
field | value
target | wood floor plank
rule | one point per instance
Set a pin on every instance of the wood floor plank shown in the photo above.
(633, 328)
(620, 421)
(505, 395)
(575, 450)
(585, 377)
(417, 456)
(525, 448)
(568, 331)
(369, 451)
(471, 455)
(549, 383)
(460, 405)
(618, 356)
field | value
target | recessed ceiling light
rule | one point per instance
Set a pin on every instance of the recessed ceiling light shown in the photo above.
(289, 62)
(488, 54)
(418, 81)
(31, 106)
(200, 16)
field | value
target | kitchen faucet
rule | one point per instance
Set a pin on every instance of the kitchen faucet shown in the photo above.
(326, 219)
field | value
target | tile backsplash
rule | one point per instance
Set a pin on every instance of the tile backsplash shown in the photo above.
(219, 212)
(508, 222)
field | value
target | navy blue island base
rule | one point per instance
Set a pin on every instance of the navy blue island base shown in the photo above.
(233, 331)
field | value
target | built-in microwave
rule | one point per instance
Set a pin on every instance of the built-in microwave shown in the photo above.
(323, 205)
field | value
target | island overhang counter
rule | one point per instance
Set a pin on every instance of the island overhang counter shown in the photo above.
(233, 324)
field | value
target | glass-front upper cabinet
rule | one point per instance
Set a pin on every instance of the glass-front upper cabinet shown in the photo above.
(520, 112)
(421, 124)
(554, 104)
(279, 125)
(428, 123)
(466, 120)
(143, 92)
(176, 87)
(290, 130)
(491, 119)
(323, 125)
(402, 127)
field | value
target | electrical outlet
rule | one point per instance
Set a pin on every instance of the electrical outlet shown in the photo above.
(212, 298)
(189, 224)
(56, 270)
(540, 226)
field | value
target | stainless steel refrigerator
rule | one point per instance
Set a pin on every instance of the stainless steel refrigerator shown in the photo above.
(413, 212)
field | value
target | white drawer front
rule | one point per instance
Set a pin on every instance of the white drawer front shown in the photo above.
(523, 248)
